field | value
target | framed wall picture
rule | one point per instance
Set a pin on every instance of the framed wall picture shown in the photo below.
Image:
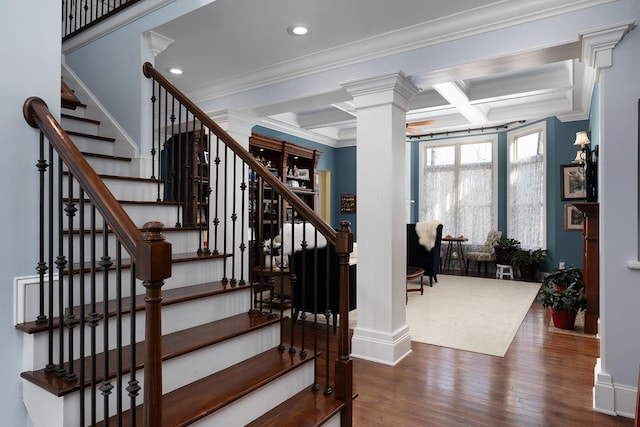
(573, 218)
(348, 203)
(573, 182)
(303, 174)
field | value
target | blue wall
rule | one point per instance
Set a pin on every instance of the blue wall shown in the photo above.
(562, 245)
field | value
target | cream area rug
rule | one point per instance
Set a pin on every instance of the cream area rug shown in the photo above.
(469, 313)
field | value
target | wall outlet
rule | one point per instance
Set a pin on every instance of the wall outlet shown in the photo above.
(561, 265)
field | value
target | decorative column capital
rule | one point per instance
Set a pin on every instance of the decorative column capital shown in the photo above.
(597, 45)
(393, 88)
(156, 42)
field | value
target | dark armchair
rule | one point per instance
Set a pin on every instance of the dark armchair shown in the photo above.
(419, 256)
(304, 267)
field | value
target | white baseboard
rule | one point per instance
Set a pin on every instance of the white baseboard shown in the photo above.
(379, 347)
(611, 398)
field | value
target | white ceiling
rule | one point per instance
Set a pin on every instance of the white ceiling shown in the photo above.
(233, 47)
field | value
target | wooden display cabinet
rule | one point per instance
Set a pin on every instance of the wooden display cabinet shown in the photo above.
(295, 166)
(186, 173)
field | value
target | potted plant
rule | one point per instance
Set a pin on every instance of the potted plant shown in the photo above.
(529, 261)
(504, 248)
(564, 298)
(562, 278)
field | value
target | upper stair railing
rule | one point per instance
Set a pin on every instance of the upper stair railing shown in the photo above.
(78, 214)
(78, 15)
(215, 181)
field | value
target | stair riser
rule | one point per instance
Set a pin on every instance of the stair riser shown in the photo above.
(267, 397)
(110, 166)
(91, 145)
(200, 311)
(124, 190)
(181, 242)
(79, 125)
(183, 274)
(139, 214)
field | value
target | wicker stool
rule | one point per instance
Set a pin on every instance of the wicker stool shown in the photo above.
(503, 271)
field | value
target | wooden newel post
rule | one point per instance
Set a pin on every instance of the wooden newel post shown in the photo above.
(344, 364)
(153, 265)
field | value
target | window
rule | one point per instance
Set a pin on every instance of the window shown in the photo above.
(526, 195)
(457, 186)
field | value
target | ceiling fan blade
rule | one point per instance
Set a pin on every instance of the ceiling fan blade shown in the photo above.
(421, 123)
(413, 131)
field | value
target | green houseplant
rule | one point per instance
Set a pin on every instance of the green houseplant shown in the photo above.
(505, 247)
(564, 277)
(529, 261)
(563, 295)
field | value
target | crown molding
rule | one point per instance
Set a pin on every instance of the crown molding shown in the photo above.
(494, 17)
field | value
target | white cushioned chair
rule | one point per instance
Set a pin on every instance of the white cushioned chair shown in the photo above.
(486, 252)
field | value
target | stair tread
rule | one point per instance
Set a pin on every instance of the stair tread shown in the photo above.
(307, 408)
(173, 345)
(91, 136)
(125, 178)
(169, 296)
(196, 400)
(106, 156)
(80, 119)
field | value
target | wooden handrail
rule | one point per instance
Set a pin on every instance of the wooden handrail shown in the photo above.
(301, 208)
(36, 112)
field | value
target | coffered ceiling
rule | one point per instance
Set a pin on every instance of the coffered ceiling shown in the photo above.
(233, 52)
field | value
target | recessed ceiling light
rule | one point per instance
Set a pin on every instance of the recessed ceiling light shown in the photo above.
(176, 71)
(298, 30)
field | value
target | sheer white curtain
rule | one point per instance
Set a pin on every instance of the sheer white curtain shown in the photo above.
(457, 188)
(525, 220)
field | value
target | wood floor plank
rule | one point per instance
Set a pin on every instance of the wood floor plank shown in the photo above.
(545, 379)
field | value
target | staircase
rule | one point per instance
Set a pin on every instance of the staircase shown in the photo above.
(225, 360)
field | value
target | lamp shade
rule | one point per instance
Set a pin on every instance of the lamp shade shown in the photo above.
(579, 157)
(582, 139)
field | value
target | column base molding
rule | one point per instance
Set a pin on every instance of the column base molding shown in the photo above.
(610, 398)
(379, 347)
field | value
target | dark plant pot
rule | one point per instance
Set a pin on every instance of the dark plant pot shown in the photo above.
(563, 319)
(529, 272)
(503, 255)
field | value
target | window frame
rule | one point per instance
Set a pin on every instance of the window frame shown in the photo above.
(476, 139)
(540, 127)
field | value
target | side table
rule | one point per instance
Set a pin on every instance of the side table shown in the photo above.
(414, 273)
(454, 253)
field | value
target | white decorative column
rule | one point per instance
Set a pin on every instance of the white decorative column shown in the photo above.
(382, 334)
(239, 127)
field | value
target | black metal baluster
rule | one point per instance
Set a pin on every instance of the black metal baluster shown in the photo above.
(61, 262)
(51, 365)
(81, 318)
(42, 265)
(216, 219)
(105, 262)
(173, 159)
(234, 219)
(70, 320)
(206, 189)
(94, 317)
(153, 141)
(243, 222)
(166, 175)
(327, 316)
(225, 279)
(179, 173)
(134, 387)
(119, 380)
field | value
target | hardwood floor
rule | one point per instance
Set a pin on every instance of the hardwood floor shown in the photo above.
(545, 379)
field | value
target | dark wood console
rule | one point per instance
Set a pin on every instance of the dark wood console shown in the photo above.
(591, 264)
